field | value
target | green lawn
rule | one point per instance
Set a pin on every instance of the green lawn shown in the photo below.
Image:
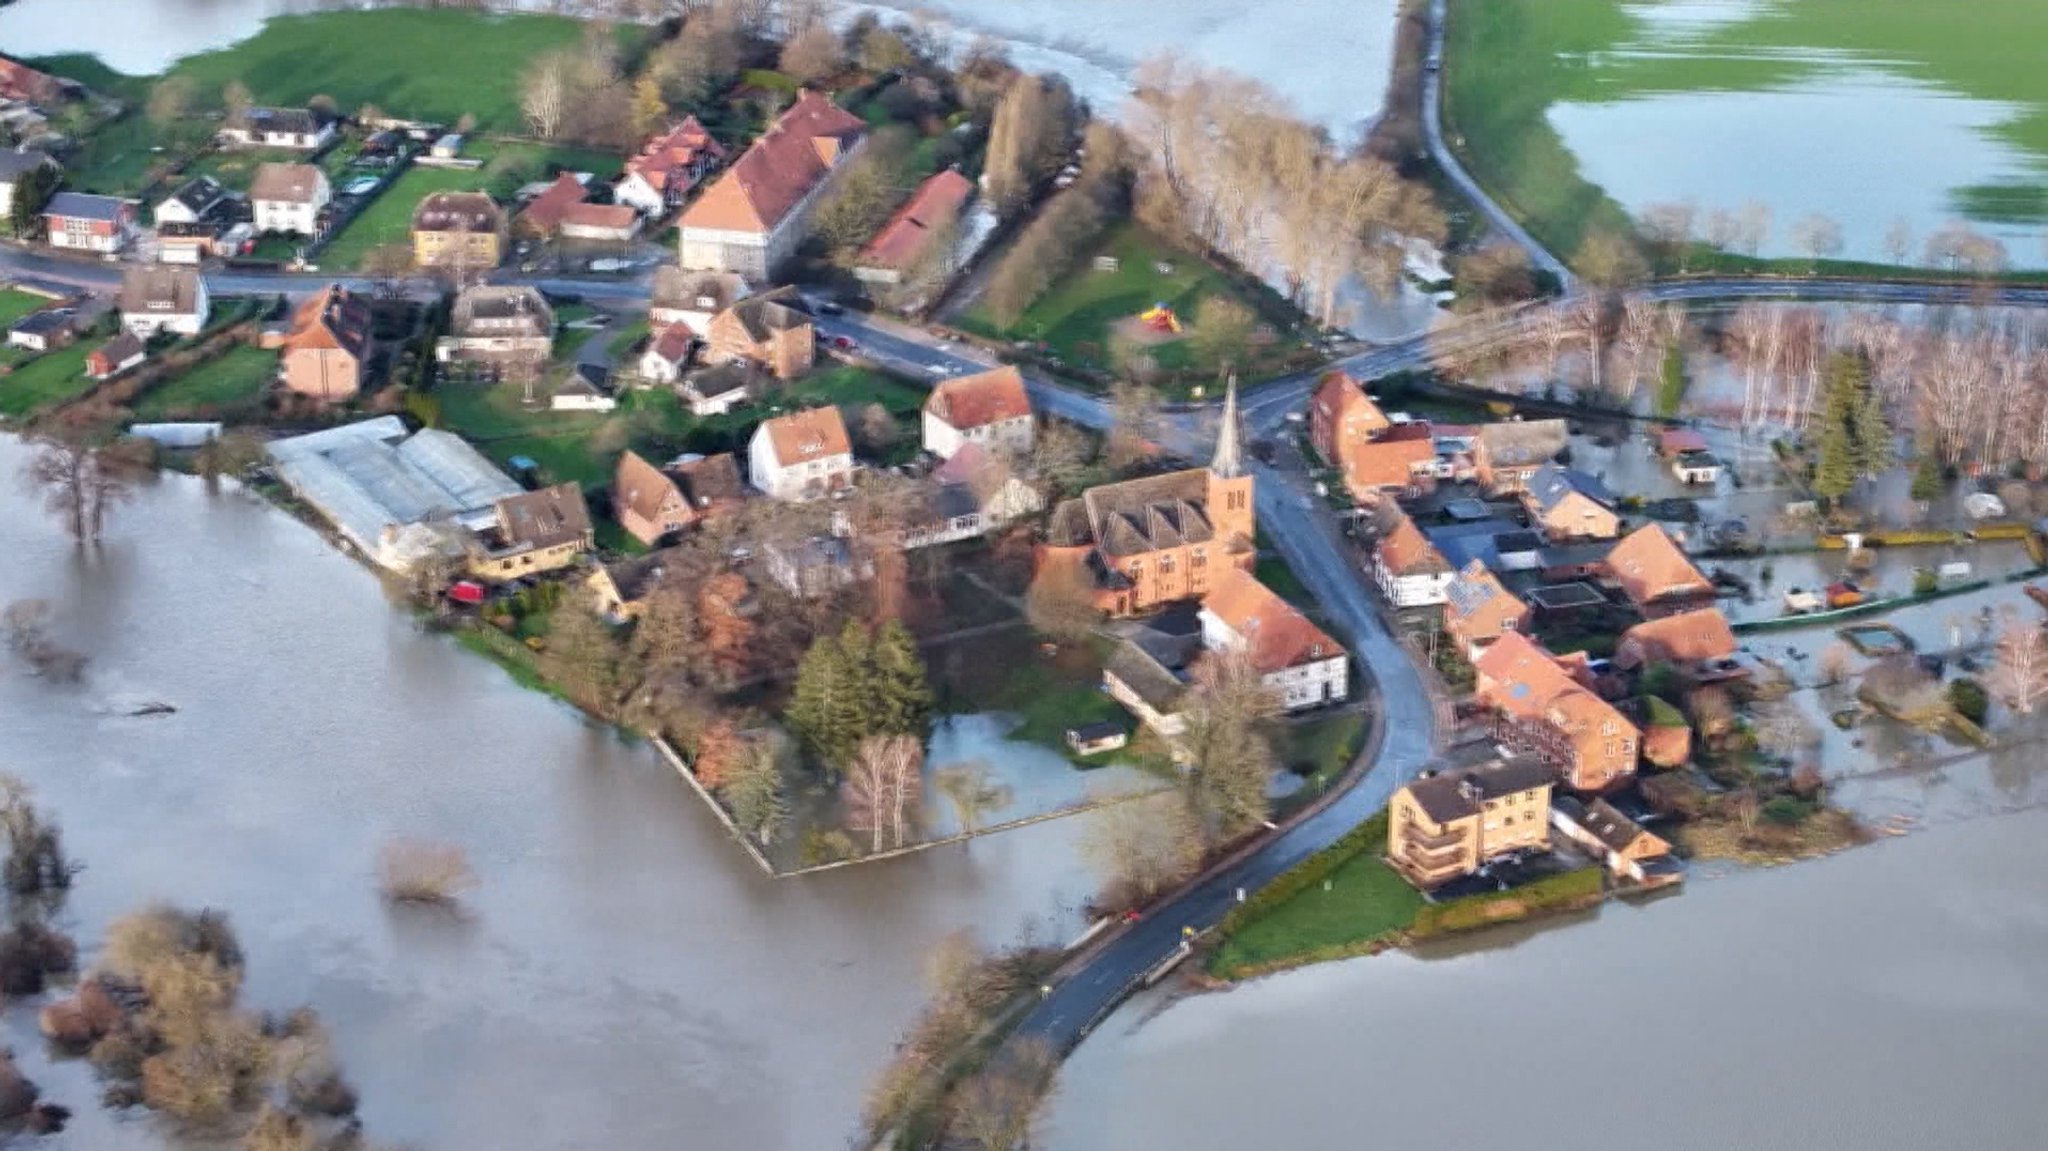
(118, 158)
(1366, 900)
(46, 380)
(583, 447)
(388, 219)
(1322, 748)
(425, 64)
(1008, 672)
(1076, 318)
(1507, 62)
(15, 303)
(232, 381)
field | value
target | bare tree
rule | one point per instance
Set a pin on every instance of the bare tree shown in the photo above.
(2021, 678)
(1898, 240)
(1061, 601)
(416, 871)
(999, 1107)
(882, 787)
(1610, 259)
(1228, 759)
(1134, 424)
(1141, 847)
(1756, 226)
(1670, 227)
(1724, 230)
(1028, 139)
(970, 792)
(1818, 236)
(82, 478)
(544, 95)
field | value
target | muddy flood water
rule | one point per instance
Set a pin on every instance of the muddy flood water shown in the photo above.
(623, 977)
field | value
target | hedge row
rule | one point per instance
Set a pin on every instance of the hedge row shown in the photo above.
(1368, 836)
(1569, 891)
(1921, 536)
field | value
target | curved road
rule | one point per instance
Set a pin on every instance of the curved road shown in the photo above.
(1433, 135)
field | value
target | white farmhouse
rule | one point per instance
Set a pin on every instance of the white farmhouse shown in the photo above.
(801, 456)
(989, 408)
(288, 198)
(158, 298)
(755, 215)
(1301, 665)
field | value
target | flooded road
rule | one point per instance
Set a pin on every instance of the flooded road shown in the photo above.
(623, 975)
(1889, 998)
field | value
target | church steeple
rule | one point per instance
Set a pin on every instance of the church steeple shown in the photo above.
(1229, 461)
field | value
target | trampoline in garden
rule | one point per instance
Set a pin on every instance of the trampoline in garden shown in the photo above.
(1567, 596)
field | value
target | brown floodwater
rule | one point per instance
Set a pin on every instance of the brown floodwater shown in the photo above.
(1892, 997)
(623, 978)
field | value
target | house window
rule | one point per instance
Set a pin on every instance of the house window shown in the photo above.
(1166, 564)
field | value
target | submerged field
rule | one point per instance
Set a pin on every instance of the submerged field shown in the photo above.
(1891, 118)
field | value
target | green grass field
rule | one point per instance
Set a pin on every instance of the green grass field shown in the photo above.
(15, 303)
(46, 380)
(1507, 62)
(424, 64)
(583, 447)
(1366, 901)
(234, 380)
(1077, 316)
(388, 219)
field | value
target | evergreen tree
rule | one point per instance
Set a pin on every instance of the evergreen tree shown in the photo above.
(32, 190)
(831, 701)
(903, 696)
(1927, 478)
(1854, 441)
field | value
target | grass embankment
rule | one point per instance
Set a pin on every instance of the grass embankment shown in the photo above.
(1076, 318)
(233, 383)
(1345, 901)
(1508, 62)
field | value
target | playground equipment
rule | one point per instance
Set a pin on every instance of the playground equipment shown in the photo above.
(1160, 318)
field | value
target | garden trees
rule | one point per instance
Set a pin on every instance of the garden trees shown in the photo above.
(998, 1109)
(751, 785)
(2021, 678)
(1610, 259)
(82, 476)
(650, 111)
(860, 200)
(857, 684)
(544, 95)
(1062, 460)
(1141, 847)
(1134, 419)
(1854, 441)
(32, 190)
(1670, 227)
(1061, 600)
(1034, 125)
(883, 782)
(1818, 236)
(586, 658)
(170, 100)
(1496, 274)
(813, 52)
(1229, 758)
(1222, 333)
(1928, 480)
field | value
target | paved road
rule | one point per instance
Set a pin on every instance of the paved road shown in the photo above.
(1433, 135)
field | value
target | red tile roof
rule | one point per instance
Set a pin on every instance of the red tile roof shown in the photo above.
(810, 435)
(1649, 566)
(778, 169)
(1276, 635)
(672, 152)
(1688, 637)
(1404, 550)
(1386, 463)
(934, 206)
(618, 217)
(980, 399)
(543, 214)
